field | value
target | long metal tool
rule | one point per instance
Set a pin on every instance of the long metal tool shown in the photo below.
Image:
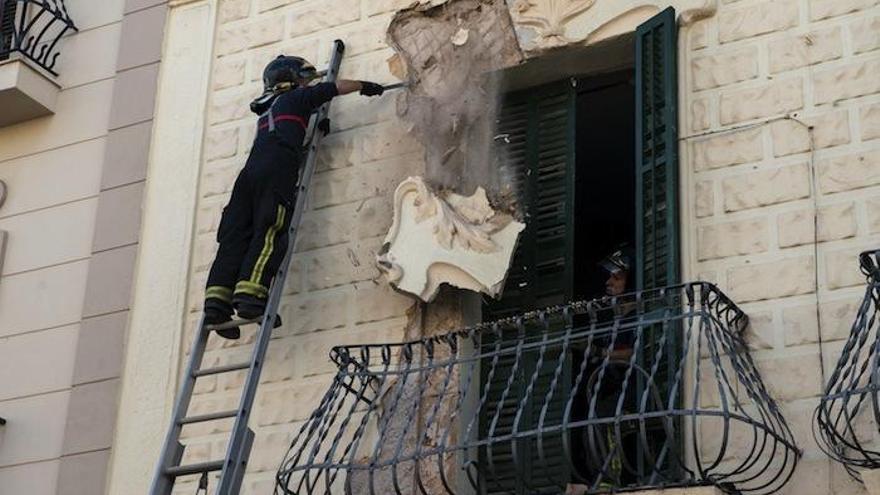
(232, 466)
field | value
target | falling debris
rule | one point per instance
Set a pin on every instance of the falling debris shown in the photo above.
(439, 238)
(449, 52)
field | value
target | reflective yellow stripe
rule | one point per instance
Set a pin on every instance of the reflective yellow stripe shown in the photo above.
(219, 292)
(256, 290)
(268, 246)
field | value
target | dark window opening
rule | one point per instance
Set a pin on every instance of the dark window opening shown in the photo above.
(596, 165)
(7, 26)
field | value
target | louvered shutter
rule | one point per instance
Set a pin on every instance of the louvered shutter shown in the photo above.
(7, 26)
(538, 129)
(657, 232)
(657, 219)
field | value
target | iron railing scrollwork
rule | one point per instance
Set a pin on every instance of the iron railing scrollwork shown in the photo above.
(34, 29)
(588, 397)
(846, 423)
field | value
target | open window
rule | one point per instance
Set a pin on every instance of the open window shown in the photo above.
(595, 158)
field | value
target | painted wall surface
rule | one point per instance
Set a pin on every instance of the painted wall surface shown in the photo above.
(752, 73)
(53, 167)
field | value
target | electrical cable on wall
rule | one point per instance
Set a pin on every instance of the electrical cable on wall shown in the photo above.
(814, 195)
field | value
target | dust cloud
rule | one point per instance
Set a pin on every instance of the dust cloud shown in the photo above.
(451, 54)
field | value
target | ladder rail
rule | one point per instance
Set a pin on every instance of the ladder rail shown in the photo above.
(233, 465)
(235, 454)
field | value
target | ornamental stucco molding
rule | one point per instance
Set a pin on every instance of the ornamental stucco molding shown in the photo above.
(438, 238)
(546, 24)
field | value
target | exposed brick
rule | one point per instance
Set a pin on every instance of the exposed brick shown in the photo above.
(233, 10)
(800, 325)
(318, 16)
(732, 238)
(228, 72)
(870, 121)
(829, 129)
(842, 269)
(700, 119)
(791, 376)
(705, 199)
(221, 143)
(774, 98)
(805, 49)
(770, 280)
(728, 149)
(766, 187)
(722, 69)
(835, 222)
(849, 172)
(766, 17)
(235, 38)
(865, 34)
(847, 81)
(872, 207)
(823, 9)
(379, 302)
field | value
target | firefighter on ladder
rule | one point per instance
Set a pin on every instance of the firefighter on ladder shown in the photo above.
(253, 229)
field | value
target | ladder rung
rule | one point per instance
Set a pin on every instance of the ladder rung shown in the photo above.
(209, 417)
(201, 467)
(232, 324)
(222, 369)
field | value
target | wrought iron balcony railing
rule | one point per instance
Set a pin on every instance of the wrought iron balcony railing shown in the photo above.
(651, 389)
(33, 28)
(847, 420)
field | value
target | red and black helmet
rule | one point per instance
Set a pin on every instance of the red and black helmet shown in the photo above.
(287, 69)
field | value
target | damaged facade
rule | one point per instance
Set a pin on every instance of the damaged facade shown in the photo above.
(771, 106)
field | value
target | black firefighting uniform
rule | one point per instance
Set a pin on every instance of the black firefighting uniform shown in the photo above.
(253, 228)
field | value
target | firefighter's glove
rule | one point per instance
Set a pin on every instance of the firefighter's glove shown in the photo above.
(324, 126)
(371, 89)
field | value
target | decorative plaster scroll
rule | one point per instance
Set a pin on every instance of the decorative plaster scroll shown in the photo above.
(438, 238)
(549, 18)
(548, 24)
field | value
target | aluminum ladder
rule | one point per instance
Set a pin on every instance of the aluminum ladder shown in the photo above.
(233, 466)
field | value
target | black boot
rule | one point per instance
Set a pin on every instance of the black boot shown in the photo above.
(217, 312)
(249, 307)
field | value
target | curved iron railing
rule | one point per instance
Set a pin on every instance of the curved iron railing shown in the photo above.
(846, 423)
(34, 29)
(651, 389)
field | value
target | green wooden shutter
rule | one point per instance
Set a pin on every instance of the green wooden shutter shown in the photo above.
(539, 125)
(657, 231)
(657, 219)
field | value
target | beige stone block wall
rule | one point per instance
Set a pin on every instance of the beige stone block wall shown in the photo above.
(334, 294)
(781, 165)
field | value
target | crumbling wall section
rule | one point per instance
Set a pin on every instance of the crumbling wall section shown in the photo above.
(448, 53)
